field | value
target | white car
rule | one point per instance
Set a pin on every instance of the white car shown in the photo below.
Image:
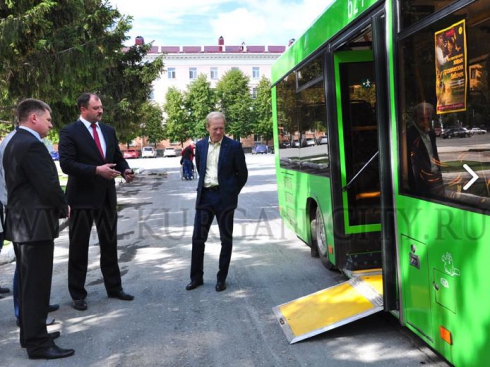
(169, 152)
(148, 152)
(478, 131)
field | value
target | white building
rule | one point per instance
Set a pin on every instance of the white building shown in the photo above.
(183, 64)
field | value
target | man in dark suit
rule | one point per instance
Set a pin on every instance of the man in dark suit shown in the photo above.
(223, 172)
(90, 156)
(35, 204)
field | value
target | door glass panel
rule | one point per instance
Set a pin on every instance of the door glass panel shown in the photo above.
(358, 95)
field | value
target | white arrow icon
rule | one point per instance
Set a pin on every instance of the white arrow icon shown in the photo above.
(473, 174)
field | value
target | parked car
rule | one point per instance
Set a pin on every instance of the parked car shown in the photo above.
(169, 152)
(478, 131)
(322, 140)
(148, 152)
(310, 142)
(131, 153)
(55, 155)
(455, 132)
(260, 149)
(295, 143)
(284, 145)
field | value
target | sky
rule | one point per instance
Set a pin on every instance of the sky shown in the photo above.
(202, 22)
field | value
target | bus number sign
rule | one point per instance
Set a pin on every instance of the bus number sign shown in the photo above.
(353, 7)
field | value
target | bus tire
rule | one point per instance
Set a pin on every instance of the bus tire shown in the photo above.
(313, 244)
(321, 241)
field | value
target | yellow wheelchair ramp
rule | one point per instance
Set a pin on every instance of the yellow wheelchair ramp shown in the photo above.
(330, 308)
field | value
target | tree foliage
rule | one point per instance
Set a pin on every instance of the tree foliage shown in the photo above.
(152, 122)
(201, 100)
(177, 127)
(55, 50)
(262, 110)
(234, 100)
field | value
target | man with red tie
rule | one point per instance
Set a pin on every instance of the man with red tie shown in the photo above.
(90, 156)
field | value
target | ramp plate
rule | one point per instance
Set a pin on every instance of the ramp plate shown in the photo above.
(330, 308)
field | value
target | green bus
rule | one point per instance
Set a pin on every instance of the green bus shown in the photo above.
(380, 115)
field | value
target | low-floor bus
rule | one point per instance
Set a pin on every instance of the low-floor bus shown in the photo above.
(394, 191)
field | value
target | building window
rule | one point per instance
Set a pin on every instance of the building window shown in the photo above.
(192, 73)
(171, 73)
(255, 72)
(254, 93)
(214, 73)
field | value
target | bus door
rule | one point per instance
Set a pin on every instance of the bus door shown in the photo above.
(357, 133)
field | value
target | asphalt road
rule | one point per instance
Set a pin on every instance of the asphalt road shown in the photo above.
(168, 326)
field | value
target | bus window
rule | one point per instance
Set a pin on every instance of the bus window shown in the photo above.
(312, 123)
(411, 11)
(444, 111)
(287, 122)
(301, 119)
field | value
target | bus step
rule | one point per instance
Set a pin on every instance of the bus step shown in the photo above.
(363, 261)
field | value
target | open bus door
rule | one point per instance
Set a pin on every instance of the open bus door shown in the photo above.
(359, 253)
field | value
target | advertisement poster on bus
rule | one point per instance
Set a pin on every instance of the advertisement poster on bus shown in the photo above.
(450, 56)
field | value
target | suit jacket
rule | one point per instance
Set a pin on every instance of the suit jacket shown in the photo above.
(232, 170)
(79, 158)
(35, 198)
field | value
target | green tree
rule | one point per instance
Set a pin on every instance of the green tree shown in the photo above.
(153, 123)
(127, 88)
(177, 127)
(262, 110)
(201, 100)
(235, 101)
(54, 50)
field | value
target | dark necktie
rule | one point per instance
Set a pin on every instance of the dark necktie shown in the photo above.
(97, 140)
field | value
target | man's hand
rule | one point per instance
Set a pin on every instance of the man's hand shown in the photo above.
(106, 171)
(129, 175)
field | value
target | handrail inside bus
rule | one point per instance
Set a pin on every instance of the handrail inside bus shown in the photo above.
(351, 182)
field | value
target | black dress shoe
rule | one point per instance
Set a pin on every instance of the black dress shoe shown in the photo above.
(53, 308)
(4, 290)
(194, 284)
(79, 304)
(121, 295)
(54, 335)
(53, 352)
(220, 286)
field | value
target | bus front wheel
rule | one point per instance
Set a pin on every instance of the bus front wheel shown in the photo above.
(321, 241)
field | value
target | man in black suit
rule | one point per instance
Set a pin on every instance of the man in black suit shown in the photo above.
(223, 172)
(35, 204)
(90, 156)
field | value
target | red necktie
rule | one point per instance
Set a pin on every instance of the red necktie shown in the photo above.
(97, 140)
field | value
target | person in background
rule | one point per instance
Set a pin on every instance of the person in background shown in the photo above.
(187, 161)
(90, 156)
(35, 204)
(223, 172)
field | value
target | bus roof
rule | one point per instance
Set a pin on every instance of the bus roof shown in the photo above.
(336, 16)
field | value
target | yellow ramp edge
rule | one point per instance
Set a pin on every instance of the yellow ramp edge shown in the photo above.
(330, 308)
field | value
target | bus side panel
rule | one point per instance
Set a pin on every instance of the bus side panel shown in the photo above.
(295, 191)
(443, 256)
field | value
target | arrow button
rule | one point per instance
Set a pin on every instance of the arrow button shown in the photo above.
(473, 175)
